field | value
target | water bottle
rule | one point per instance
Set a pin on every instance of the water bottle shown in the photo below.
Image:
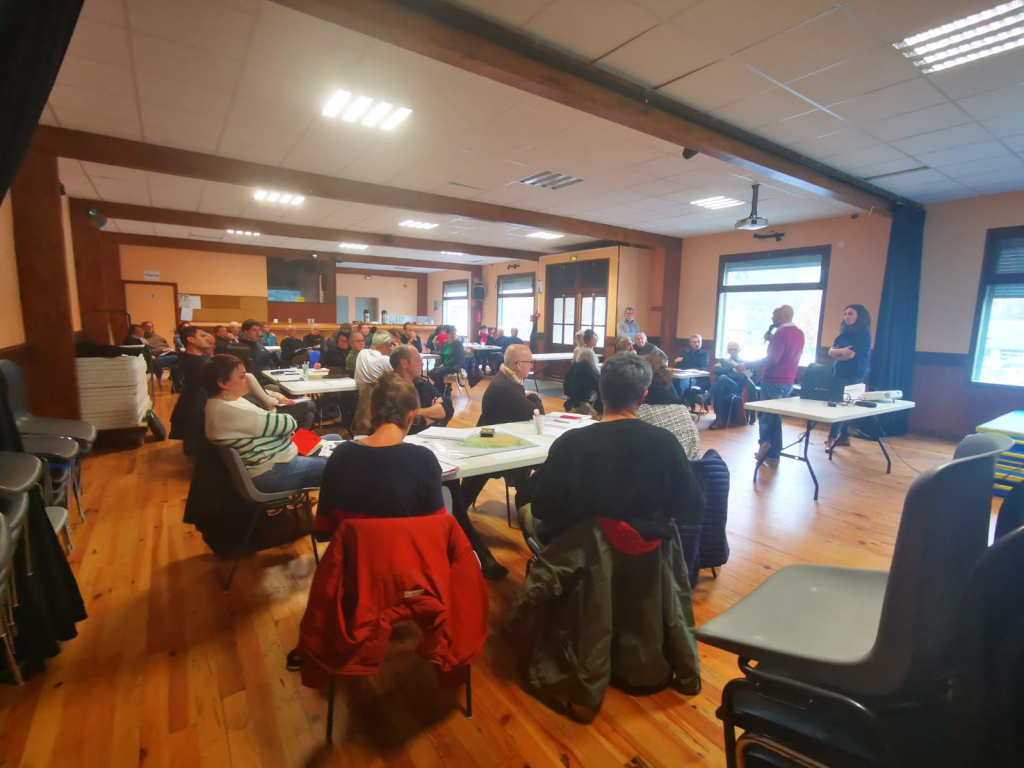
(305, 371)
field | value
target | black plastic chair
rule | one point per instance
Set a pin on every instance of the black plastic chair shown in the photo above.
(262, 503)
(861, 641)
(8, 599)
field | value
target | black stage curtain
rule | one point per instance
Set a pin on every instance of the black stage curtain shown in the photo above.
(892, 362)
(34, 34)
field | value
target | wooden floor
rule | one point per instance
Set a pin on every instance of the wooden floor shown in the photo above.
(170, 671)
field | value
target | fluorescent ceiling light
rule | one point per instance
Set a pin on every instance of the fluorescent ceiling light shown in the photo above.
(395, 118)
(278, 197)
(354, 246)
(968, 39)
(359, 106)
(716, 203)
(545, 235)
(231, 231)
(336, 103)
(453, 253)
(376, 114)
(417, 224)
(286, 198)
(297, 200)
(261, 194)
(273, 197)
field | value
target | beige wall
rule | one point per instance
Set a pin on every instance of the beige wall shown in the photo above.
(634, 289)
(435, 288)
(12, 330)
(856, 271)
(395, 295)
(228, 274)
(954, 247)
(69, 259)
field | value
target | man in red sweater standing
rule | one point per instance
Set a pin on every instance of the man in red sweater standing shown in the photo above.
(779, 372)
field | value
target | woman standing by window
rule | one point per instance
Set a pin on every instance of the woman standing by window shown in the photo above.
(852, 354)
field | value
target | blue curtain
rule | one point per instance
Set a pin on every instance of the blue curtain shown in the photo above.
(33, 37)
(892, 361)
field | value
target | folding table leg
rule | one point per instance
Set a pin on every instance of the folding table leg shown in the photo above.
(469, 692)
(330, 710)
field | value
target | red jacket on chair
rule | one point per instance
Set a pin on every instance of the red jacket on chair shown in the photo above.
(378, 572)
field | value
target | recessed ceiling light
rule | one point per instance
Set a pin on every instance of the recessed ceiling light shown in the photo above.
(285, 198)
(376, 114)
(417, 224)
(336, 103)
(716, 203)
(245, 233)
(313, 255)
(968, 39)
(359, 106)
(550, 180)
(545, 235)
(453, 253)
(395, 118)
(354, 246)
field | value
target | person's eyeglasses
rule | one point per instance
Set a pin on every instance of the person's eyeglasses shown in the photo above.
(524, 362)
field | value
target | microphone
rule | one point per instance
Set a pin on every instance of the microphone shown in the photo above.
(768, 333)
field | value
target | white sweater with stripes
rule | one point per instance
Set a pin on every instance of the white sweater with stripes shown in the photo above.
(262, 438)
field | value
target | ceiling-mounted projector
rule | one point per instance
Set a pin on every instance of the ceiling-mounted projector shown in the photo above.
(753, 221)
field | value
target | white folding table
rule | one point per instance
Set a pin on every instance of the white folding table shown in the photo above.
(819, 412)
(293, 385)
(551, 357)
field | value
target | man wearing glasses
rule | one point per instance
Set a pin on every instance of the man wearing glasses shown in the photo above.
(505, 400)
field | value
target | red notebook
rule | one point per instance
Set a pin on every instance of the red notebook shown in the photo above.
(306, 441)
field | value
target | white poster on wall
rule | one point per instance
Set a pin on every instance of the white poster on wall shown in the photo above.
(189, 300)
(151, 275)
(186, 314)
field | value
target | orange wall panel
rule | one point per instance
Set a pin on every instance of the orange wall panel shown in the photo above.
(227, 274)
(12, 331)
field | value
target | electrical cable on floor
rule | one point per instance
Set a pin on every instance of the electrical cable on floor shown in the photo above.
(893, 449)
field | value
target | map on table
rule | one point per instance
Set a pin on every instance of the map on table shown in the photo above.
(475, 445)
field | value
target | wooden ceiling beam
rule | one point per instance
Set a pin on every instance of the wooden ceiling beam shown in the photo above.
(185, 244)
(280, 229)
(109, 150)
(463, 39)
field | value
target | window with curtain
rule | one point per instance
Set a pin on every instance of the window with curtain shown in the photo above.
(515, 304)
(750, 286)
(455, 305)
(999, 323)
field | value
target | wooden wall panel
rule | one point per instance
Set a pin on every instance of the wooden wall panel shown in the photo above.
(51, 378)
(949, 405)
(301, 311)
(224, 309)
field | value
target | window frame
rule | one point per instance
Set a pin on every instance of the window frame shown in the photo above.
(986, 280)
(824, 251)
(444, 300)
(532, 295)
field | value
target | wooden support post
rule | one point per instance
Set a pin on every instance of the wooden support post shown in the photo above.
(670, 297)
(98, 267)
(51, 380)
(421, 294)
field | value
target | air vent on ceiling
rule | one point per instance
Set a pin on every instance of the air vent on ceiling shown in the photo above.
(896, 173)
(550, 180)
(467, 186)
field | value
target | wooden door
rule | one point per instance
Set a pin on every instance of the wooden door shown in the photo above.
(156, 302)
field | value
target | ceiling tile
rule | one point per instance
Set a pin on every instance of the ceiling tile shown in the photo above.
(165, 118)
(981, 76)
(194, 142)
(160, 91)
(96, 76)
(86, 121)
(835, 144)
(104, 11)
(963, 154)
(816, 44)
(1002, 178)
(870, 71)
(944, 139)
(97, 171)
(803, 127)
(888, 102)
(100, 42)
(94, 102)
(170, 230)
(893, 21)
(658, 56)
(889, 166)
(120, 191)
(666, 9)
(973, 168)
(47, 117)
(182, 64)
(78, 185)
(257, 144)
(880, 153)
(1007, 125)
(717, 84)
(910, 179)
(175, 192)
(921, 121)
(732, 25)
(203, 25)
(1004, 101)
(1015, 143)
(589, 28)
(511, 14)
(764, 108)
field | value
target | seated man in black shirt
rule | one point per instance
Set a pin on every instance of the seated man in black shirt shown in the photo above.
(262, 358)
(290, 345)
(223, 340)
(187, 416)
(693, 358)
(313, 339)
(434, 409)
(661, 486)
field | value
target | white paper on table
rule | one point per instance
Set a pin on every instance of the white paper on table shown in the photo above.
(299, 399)
(448, 433)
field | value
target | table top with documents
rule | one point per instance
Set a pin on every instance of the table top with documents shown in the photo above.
(820, 411)
(688, 373)
(291, 381)
(554, 425)
(547, 357)
(481, 347)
